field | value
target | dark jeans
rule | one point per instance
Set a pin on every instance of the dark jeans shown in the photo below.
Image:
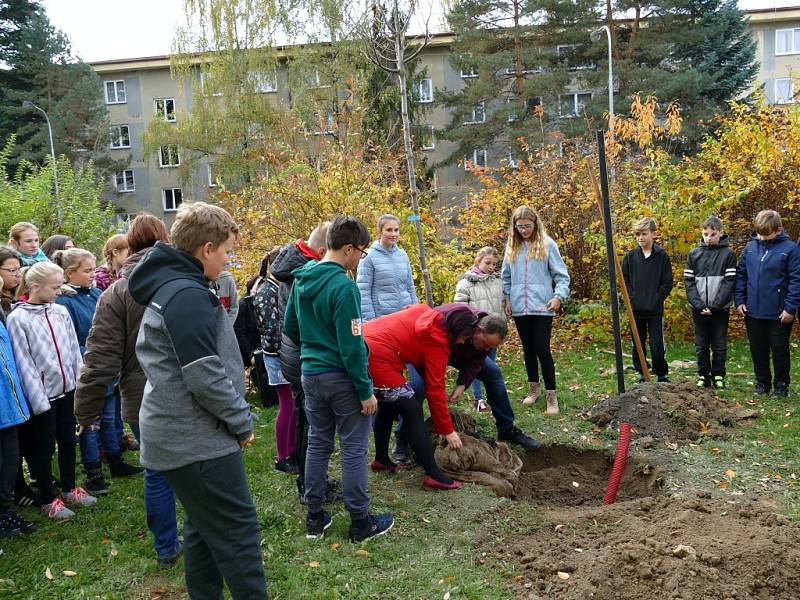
(107, 435)
(332, 407)
(220, 528)
(496, 392)
(652, 327)
(25, 439)
(534, 332)
(56, 425)
(414, 432)
(769, 336)
(477, 391)
(300, 430)
(9, 462)
(711, 336)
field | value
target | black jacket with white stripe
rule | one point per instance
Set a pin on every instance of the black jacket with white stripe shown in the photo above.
(710, 276)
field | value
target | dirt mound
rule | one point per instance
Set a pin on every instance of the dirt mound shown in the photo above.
(566, 476)
(670, 410)
(657, 547)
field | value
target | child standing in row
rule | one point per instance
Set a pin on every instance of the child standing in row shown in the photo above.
(24, 238)
(48, 359)
(648, 276)
(482, 288)
(709, 276)
(115, 252)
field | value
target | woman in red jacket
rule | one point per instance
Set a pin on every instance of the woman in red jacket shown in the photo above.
(416, 335)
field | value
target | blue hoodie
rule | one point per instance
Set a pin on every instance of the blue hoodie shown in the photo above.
(80, 302)
(768, 277)
(13, 406)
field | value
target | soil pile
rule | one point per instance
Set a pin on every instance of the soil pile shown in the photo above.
(670, 411)
(657, 547)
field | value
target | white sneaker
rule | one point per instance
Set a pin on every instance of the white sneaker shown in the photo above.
(56, 510)
(80, 497)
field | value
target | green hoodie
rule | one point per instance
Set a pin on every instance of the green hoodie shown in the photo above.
(324, 311)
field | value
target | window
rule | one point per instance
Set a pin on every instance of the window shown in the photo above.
(265, 82)
(168, 156)
(120, 136)
(324, 125)
(787, 41)
(425, 91)
(478, 113)
(315, 80)
(784, 91)
(427, 140)
(469, 72)
(535, 105)
(172, 199)
(572, 105)
(511, 159)
(212, 182)
(512, 114)
(478, 159)
(123, 181)
(165, 109)
(207, 84)
(115, 92)
(512, 70)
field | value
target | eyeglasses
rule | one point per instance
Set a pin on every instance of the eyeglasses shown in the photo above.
(12, 271)
(363, 254)
(523, 227)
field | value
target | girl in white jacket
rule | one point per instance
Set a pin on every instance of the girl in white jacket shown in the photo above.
(482, 288)
(48, 360)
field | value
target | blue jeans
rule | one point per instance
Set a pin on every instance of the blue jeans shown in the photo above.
(159, 506)
(107, 436)
(477, 392)
(496, 394)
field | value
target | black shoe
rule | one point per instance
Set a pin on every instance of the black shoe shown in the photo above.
(167, 562)
(761, 389)
(516, 436)
(8, 526)
(703, 381)
(287, 465)
(119, 468)
(400, 451)
(24, 526)
(781, 390)
(372, 526)
(27, 497)
(316, 525)
(663, 379)
(95, 482)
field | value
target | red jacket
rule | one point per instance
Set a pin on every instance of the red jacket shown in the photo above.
(417, 335)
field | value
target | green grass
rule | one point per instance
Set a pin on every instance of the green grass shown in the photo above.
(441, 543)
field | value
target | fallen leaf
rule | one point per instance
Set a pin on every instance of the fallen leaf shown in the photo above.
(730, 474)
(575, 484)
(335, 546)
(69, 573)
(105, 541)
(449, 579)
(704, 427)
(715, 451)
(446, 596)
(562, 575)
(362, 552)
(48, 573)
(314, 564)
(424, 520)
(724, 485)
(114, 552)
(404, 514)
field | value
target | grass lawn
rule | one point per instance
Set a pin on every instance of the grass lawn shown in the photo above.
(443, 545)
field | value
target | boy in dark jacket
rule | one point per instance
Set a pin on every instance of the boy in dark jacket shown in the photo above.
(710, 276)
(194, 419)
(323, 316)
(767, 295)
(648, 277)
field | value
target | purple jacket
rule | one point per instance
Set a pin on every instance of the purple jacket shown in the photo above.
(462, 319)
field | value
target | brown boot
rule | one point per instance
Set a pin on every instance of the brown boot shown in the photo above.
(533, 393)
(552, 404)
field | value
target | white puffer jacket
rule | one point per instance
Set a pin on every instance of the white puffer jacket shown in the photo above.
(483, 291)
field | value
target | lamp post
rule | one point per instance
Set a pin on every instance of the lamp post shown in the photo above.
(595, 37)
(28, 104)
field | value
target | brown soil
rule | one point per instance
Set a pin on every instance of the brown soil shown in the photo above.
(566, 476)
(670, 411)
(657, 547)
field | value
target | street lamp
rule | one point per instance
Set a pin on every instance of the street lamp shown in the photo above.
(595, 37)
(28, 104)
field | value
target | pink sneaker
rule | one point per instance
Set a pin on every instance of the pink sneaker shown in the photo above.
(80, 497)
(56, 510)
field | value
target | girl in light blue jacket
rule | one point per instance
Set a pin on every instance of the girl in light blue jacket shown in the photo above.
(384, 276)
(535, 285)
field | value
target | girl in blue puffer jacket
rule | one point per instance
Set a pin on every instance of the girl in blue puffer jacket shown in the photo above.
(384, 276)
(535, 285)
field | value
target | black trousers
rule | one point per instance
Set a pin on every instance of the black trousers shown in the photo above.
(56, 426)
(220, 529)
(9, 462)
(652, 328)
(414, 432)
(300, 430)
(769, 336)
(711, 342)
(534, 332)
(25, 440)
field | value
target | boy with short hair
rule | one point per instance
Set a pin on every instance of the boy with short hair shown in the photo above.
(194, 419)
(767, 295)
(323, 316)
(710, 276)
(648, 276)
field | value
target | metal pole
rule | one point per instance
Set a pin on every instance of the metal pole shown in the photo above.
(29, 104)
(612, 277)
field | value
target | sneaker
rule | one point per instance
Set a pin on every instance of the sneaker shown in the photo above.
(400, 451)
(516, 436)
(781, 390)
(761, 389)
(8, 527)
(23, 525)
(119, 468)
(703, 381)
(287, 465)
(317, 525)
(372, 526)
(80, 497)
(95, 482)
(167, 562)
(57, 511)
(719, 382)
(430, 482)
(481, 406)
(27, 497)
(663, 379)
(378, 466)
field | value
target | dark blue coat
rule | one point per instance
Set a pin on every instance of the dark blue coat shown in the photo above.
(81, 303)
(768, 277)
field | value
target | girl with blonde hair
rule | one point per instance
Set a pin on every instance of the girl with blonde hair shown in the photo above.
(115, 252)
(24, 238)
(535, 285)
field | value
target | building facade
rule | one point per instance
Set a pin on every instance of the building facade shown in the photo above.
(141, 89)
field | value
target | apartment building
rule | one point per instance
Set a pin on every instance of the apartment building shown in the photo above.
(138, 90)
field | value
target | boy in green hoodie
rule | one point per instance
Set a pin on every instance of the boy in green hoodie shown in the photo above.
(323, 316)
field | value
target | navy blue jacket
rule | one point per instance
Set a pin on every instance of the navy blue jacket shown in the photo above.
(81, 303)
(768, 277)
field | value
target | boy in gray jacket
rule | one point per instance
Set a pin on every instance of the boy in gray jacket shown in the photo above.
(194, 419)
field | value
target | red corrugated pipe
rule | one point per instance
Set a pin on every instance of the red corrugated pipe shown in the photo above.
(619, 464)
